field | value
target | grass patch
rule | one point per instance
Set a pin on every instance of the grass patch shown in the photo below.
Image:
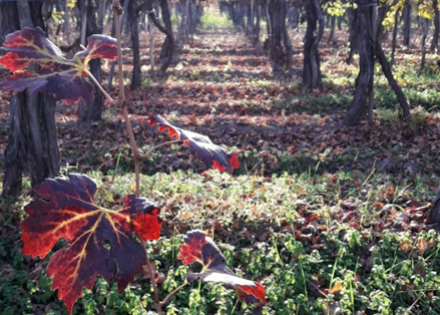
(216, 20)
(325, 231)
(317, 242)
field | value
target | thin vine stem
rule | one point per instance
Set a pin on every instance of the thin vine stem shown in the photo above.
(121, 99)
(92, 77)
(180, 287)
(143, 156)
(133, 146)
(151, 271)
(117, 10)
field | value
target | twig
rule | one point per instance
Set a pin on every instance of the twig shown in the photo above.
(412, 305)
(117, 10)
(132, 144)
(92, 77)
(151, 271)
(143, 156)
(174, 292)
(121, 99)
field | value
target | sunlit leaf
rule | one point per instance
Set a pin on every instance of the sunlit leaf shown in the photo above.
(422, 244)
(336, 288)
(64, 78)
(200, 145)
(200, 248)
(101, 241)
(406, 247)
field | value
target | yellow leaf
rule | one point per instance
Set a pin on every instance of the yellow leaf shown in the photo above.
(336, 288)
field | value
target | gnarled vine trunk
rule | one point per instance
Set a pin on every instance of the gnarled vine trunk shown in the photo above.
(354, 33)
(364, 81)
(434, 214)
(122, 22)
(32, 141)
(312, 76)
(407, 21)
(423, 42)
(93, 111)
(277, 12)
(395, 30)
(167, 50)
(236, 12)
(434, 42)
(331, 37)
(370, 46)
(386, 67)
(250, 18)
(166, 53)
(133, 18)
(256, 33)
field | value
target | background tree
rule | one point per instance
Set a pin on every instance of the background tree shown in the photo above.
(280, 46)
(134, 9)
(167, 50)
(362, 98)
(407, 22)
(32, 146)
(93, 111)
(312, 76)
(436, 22)
(353, 39)
(370, 47)
(190, 17)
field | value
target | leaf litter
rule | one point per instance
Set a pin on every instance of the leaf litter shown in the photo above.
(231, 97)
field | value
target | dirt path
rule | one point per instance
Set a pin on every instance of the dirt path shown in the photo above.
(220, 85)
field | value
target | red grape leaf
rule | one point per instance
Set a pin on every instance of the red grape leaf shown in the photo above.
(64, 78)
(101, 241)
(200, 248)
(200, 145)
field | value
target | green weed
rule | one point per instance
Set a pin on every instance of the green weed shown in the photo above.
(260, 224)
(216, 21)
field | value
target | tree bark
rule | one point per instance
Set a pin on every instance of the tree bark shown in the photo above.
(268, 25)
(434, 43)
(395, 29)
(183, 32)
(101, 14)
(331, 37)
(256, 34)
(288, 46)
(250, 19)
(133, 18)
(151, 37)
(83, 6)
(293, 16)
(168, 45)
(167, 50)
(32, 141)
(195, 19)
(354, 33)
(358, 107)
(422, 44)
(370, 46)
(93, 111)
(407, 21)
(66, 22)
(386, 68)
(113, 64)
(277, 13)
(434, 214)
(312, 76)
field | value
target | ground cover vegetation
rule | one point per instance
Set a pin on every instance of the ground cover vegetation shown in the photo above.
(329, 219)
